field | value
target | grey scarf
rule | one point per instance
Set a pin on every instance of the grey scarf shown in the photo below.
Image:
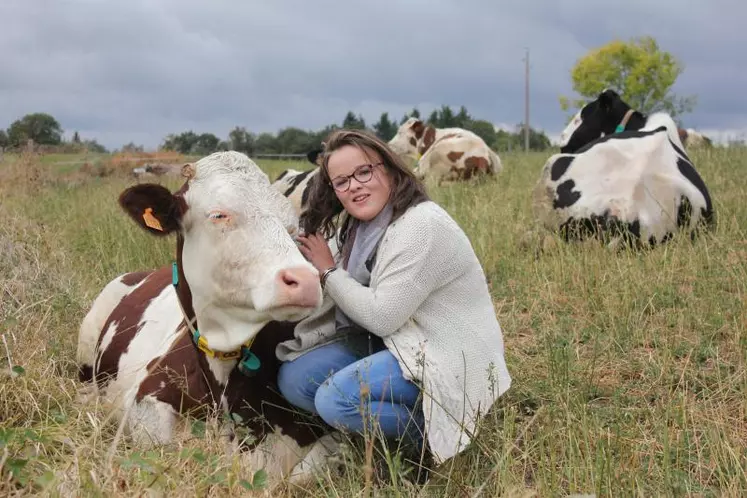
(366, 240)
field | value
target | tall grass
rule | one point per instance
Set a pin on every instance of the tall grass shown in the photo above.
(629, 368)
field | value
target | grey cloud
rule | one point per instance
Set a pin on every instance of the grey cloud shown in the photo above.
(138, 70)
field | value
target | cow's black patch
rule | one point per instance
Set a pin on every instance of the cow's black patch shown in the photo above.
(560, 167)
(296, 180)
(688, 171)
(282, 175)
(565, 196)
(684, 212)
(603, 227)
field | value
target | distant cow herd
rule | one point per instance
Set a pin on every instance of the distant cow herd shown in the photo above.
(200, 334)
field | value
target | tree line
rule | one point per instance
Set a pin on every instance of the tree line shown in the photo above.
(44, 130)
(293, 140)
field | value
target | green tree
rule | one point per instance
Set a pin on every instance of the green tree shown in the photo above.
(241, 140)
(181, 143)
(3, 139)
(293, 140)
(351, 122)
(266, 144)
(385, 128)
(42, 128)
(483, 129)
(132, 148)
(76, 138)
(414, 113)
(463, 119)
(206, 143)
(639, 70)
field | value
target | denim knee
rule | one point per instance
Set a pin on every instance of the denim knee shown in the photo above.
(297, 393)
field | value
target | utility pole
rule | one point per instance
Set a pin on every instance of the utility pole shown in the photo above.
(526, 101)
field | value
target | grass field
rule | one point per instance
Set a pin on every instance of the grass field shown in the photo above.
(629, 369)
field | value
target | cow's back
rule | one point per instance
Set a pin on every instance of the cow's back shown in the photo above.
(140, 329)
(643, 184)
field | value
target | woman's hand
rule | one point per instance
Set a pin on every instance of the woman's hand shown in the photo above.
(315, 249)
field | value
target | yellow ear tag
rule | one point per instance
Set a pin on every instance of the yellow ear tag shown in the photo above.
(151, 220)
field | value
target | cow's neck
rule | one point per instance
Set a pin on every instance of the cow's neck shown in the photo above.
(221, 364)
(631, 120)
(429, 136)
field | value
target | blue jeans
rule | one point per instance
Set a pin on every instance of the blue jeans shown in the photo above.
(350, 389)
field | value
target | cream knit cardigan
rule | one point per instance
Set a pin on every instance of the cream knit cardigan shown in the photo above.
(429, 301)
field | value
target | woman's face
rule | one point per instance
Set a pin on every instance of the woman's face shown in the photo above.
(361, 181)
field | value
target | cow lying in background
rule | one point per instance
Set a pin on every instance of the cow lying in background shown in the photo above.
(447, 154)
(201, 334)
(621, 176)
(295, 185)
(155, 170)
(692, 139)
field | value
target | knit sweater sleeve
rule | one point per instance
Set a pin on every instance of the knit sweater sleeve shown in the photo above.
(422, 254)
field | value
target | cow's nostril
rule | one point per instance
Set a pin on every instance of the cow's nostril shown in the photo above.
(289, 280)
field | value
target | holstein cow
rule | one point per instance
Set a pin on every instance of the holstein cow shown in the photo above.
(295, 185)
(201, 334)
(623, 176)
(447, 154)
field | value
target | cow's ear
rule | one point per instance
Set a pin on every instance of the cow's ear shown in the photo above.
(313, 155)
(607, 98)
(418, 127)
(153, 207)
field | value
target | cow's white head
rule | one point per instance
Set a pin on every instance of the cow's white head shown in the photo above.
(405, 142)
(234, 246)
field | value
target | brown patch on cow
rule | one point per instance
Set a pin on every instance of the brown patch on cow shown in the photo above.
(182, 378)
(428, 139)
(454, 156)
(474, 165)
(413, 142)
(418, 128)
(134, 278)
(127, 314)
(683, 134)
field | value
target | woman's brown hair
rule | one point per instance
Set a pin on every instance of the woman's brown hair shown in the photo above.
(323, 205)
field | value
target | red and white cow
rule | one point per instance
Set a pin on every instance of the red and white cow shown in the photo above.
(201, 334)
(447, 154)
(693, 139)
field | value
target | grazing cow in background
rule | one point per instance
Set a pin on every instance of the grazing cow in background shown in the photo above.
(692, 139)
(200, 335)
(448, 154)
(622, 176)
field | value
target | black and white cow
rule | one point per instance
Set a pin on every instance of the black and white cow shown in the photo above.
(295, 185)
(621, 176)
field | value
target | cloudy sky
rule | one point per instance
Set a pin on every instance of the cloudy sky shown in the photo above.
(136, 70)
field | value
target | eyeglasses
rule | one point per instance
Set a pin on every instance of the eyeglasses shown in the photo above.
(362, 173)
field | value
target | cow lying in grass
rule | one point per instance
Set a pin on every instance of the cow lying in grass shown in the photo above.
(621, 176)
(295, 184)
(200, 335)
(447, 154)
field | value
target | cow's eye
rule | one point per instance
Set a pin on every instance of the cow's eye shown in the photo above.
(217, 216)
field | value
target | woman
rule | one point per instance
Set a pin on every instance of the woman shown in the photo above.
(407, 334)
